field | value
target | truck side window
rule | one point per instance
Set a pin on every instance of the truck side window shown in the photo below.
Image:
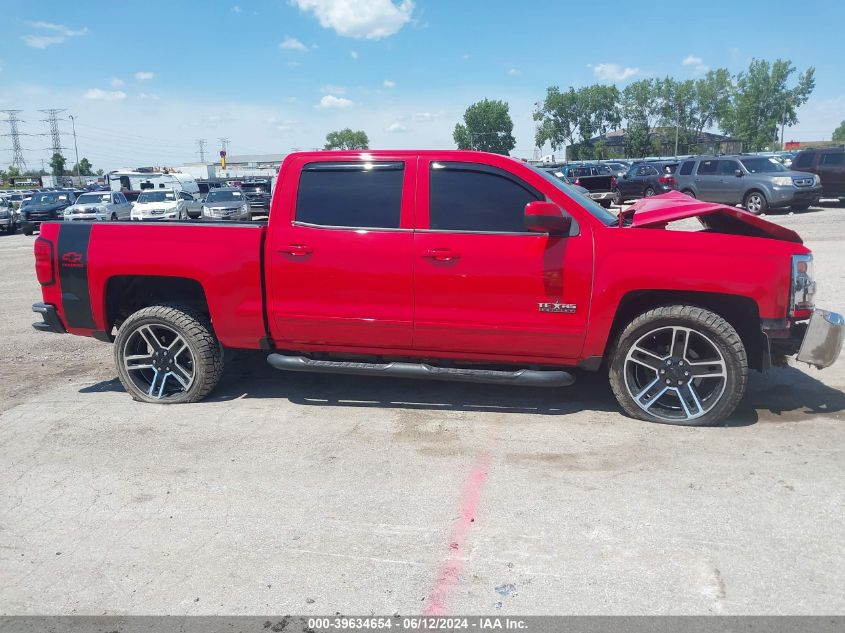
(351, 194)
(707, 167)
(473, 197)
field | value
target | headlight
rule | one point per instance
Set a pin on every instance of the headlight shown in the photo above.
(817, 180)
(244, 208)
(782, 181)
(206, 210)
(803, 290)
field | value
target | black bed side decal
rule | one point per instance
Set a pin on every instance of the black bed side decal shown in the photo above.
(73, 274)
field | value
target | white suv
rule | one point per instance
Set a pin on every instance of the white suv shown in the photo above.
(163, 204)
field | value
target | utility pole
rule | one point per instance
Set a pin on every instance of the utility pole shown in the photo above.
(75, 148)
(201, 149)
(18, 161)
(224, 144)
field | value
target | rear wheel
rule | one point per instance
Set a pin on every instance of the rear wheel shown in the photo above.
(689, 192)
(649, 192)
(755, 202)
(679, 365)
(167, 355)
(617, 198)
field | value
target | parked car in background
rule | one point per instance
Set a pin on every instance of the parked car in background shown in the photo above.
(101, 205)
(758, 183)
(257, 193)
(645, 179)
(44, 207)
(226, 203)
(8, 221)
(828, 164)
(597, 179)
(557, 173)
(160, 204)
(618, 167)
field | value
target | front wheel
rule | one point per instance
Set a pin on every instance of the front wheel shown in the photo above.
(755, 202)
(618, 200)
(679, 365)
(649, 192)
(689, 192)
(168, 355)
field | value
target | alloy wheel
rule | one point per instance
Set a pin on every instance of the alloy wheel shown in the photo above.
(675, 373)
(159, 361)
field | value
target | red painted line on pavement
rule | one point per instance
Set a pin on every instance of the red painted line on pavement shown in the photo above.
(450, 570)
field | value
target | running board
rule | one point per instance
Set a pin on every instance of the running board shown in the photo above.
(520, 377)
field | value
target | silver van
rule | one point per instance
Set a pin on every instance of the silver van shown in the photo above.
(758, 183)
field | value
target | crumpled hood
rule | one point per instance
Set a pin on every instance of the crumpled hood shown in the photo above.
(656, 212)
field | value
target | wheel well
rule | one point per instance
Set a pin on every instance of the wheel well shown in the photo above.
(126, 294)
(741, 312)
(754, 190)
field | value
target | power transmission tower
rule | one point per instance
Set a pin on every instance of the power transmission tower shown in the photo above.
(201, 149)
(55, 133)
(224, 144)
(18, 161)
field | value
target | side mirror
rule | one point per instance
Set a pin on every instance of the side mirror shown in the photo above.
(546, 217)
(625, 175)
(738, 173)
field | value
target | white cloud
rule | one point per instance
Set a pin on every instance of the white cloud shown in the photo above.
(144, 75)
(698, 65)
(361, 19)
(389, 83)
(149, 96)
(353, 54)
(425, 117)
(330, 89)
(41, 40)
(513, 72)
(236, 9)
(292, 44)
(95, 94)
(613, 72)
(396, 128)
(330, 101)
(116, 83)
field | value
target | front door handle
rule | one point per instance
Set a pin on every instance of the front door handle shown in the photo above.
(441, 254)
(297, 250)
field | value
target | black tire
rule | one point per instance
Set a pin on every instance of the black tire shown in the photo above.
(605, 203)
(206, 357)
(689, 192)
(703, 327)
(649, 192)
(27, 231)
(618, 200)
(798, 208)
(755, 202)
(113, 217)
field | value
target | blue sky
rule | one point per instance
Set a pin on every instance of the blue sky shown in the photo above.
(145, 80)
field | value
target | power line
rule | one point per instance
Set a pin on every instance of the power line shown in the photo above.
(224, 144)
(18, 161)
(201, 149)
(54, 133)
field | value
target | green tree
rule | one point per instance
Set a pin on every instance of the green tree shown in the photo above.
(347, 139)
(85, 168)
(99, 172)
(762, 101)
(13, 172)
(487, 127)
(712, 99)
(679, 112)
(839, 133)
(643, 105)
(572, 118)
(57, 164)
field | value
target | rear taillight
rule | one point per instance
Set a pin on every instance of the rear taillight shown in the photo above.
(613, 182)
(667, 180)
(578, 182)
(44, 270)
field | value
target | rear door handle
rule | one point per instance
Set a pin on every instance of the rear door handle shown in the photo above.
(296, 250)
(441, 254)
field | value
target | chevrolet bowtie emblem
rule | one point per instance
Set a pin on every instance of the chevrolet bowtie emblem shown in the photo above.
(557, 306)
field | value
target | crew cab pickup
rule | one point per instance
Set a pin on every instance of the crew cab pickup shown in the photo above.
(446, 265)
(598, 180)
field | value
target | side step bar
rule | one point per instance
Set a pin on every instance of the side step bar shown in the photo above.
(523, 377)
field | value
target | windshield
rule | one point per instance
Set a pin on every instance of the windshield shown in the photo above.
(49, 198)
(157, 196)
(593, 208)
(224, 196)
(93, 198)
(762, 165)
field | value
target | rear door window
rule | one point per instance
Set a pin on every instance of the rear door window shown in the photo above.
(686, 168)
(804, 159)
(351, 194)
(832, 159)
(477, 198)
(707, 168)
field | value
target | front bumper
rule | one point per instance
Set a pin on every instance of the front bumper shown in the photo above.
(50, 319)
(6, 222)
(822, 340)
(601, 195)
(789, 196)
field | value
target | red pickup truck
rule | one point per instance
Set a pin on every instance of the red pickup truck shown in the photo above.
(448, 265)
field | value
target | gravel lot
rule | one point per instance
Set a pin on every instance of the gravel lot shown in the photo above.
(312, 494)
